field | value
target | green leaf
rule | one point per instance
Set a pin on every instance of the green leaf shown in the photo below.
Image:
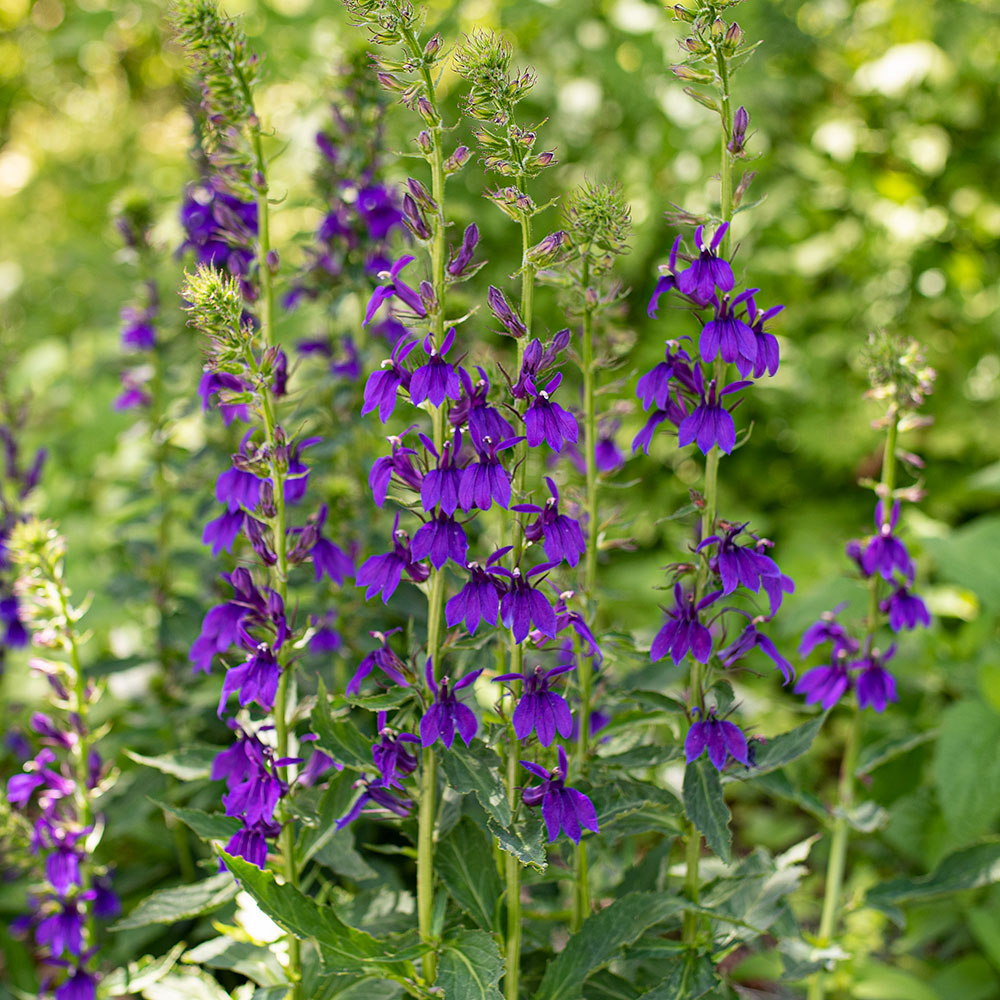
(599, 940)
(382, 701)
(477, 769)
(208, 826)
(706, 807)
(883, 751)
(966, 767)
(470, 967)
(625, 803)
(344, 949)
(465, 863)
(693, 976)
(778, 783)
(187, 763)
(185, 984)
(960, 558)
(606, 985)
(339, 737)
(783, 749)
(254, 961)
(523, 840)
(181, 902)
(969, 868)
(139, 974)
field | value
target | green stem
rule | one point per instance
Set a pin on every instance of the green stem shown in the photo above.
(425, 859)
(512, 879)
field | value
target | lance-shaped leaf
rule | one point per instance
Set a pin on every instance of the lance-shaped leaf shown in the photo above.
(783, 749)
(476, 769)
(208, 826)
(339, 737)
(470, 967)
(181, 902)
(187, 763)
(706, 807)
(465, 863)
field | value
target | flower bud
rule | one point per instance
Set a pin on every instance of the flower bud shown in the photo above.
(427, 296)
(505, 312)
(432, 47)
(421, 194)
(734, 35)
(458, 265)
(741, 121)
(413, 218)
(718, 28)
(548, 250)
(391, 83)
(683, 14)
(426, 111)
(457, 160)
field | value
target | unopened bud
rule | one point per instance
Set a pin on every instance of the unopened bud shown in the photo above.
(734, 35)
(391, 83)
(548, 250)
(457, 160)
(426, 111)
(414, 219)
(272, 261)
(432, 46)
(718, 28)
(427, 296)
(425, 142)
(421, 194)
(683, 14)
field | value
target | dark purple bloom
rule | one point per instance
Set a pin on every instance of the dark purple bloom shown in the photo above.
(134, 393)
(106, 902)
(376, 205)
(562, 535)
(505, 312)
(253, 790)
(608, 456)
(767, 358)
(825, 684)
(256, 679)
(137, 328)
(214, 383)
(384, 658)
(486, 481)
(744, 565)
(399, 464)
(250, 843)
(382, 573)
(741, 121)
(539, 709)
(441, 538)
(15, 635)
(563, 808)
(395, 287)
(885, 553)
(484, 421)
(721, 738)
(62, 930)
(222, 532)
(683, 630)
(447, 715)
(665, 282)
(547, 421)
(383, 384)
(710, 423)
(376, 792)
(524, 606)
(876, 687)
(437, 380)
(236, 488)
(440, 485)
(459, 265)
(645, 436)
(81, 985)
(828, 629)
(728, 335)
(905, 609)
(328, 558)
(62, 865)
(750, 639)
(708, 272)
(219, 630)
(479, 600)
(391, 756)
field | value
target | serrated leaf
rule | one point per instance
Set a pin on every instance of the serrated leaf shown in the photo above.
(187, 763)
(339, 737)
(692, 977)
(706, 807)
(139, 974)
(254, 961)
(465, 864)
(381, 701)
(778, 783)
(783, 749)
(599, 940)
(476, 769)
(208, 826)
(606, 985)
(181, 902)
(622, 801)
(470, 967)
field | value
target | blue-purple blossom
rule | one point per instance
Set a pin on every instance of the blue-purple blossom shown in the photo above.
(440, 485)
(708, 272)
(906, 609)
(547, 421)
(329, 559)
(487, 481)
(62, 930)
(828, 629)
(460, 263)
(826, 684)
(728, 335)
(665, 282)
(399, 464)
(436, 380)
(81, 985)
(384, 383)
(563, 808)
(447, 715)
(391, 756)
(720, 737)
(539, 709)
(767, 358)
(561, 535)
(381, 573)
(524, 606)
(654, 387)
(746, 565)
(683, 631)
(384, 658)
(256, 679)
(250, 843)
(395, 287)
(750, 638)
(377, 793)
(223, 384)
(479, 600)
(440, 538)
(474, 409)
(885, 553)
(505, 313)
(710, 423)
(876, 687)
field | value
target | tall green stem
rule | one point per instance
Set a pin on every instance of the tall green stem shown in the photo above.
(837, 862)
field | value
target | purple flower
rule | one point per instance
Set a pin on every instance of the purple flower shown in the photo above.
(383, 384)
(459, 265)
(81, 985)
(525, 606)
(473, 408)
(384, 658)
(745, 565)
(825, 684)
(710, 423)
(876, 687)
(654, 387)
(608, 456)
(563, 808)
(828, 629)
(562, 535)
(905, 609)
(885, 553)
(399, 464)
(391, 756)
(62, 930)
(479, 600)
(62, 865)
(219, 630)
(256, 679)
(441, 538)
(767, 357)
(376, 792)
(683, 630)
(486, 481)
(750, 639)
(382, 573)
(447, 714)
(15, 635)
(728, 335)
(134, 393)
(250, 843)
(214, 383)
(440, 486)
(540, 710)
(665, 282)
(645, 437)
(328, 558)
(395, 287)
(547, 421)
(253, 789)
(437, 380)
(707, 272)
(721, 738)
(221, 532)
(137, 328)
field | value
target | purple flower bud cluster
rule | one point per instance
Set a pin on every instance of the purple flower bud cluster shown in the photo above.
(853, 663)
(139, 337)
(689, 388)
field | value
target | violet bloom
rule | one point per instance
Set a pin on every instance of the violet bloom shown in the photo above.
(15, 635)
(219, 383)
(563, 808)
(710, 423)
(683, 631)
(524, 606)
(707, 272)
(375, 792)
(885, 553)
(256, 679)
(384, 658)
(329, 559)
(562, 535)
(383, 385)
(741, 565)
(473, 408)
(381, 574)
(253, 789)
(728, 335)
(391, 756)
(479, 600)
(486, 481)
(750, 639)
(665, 282)
(398, 464)
(81, 985)
(905, 609)
(62, 865)
(62, 930)
(440, 485)
(645, 436)
(138, 330)
(767, 357)
(447, 715)
(608, 456)
(460, 265)
(825, 684)
(395, 287)
(828, 629)
(547, 421)
(221, 532)
(441, 538)
(437, 380)
(539, 709)
(721, 738)
(236, 487)
(250, 843)
(876, 687)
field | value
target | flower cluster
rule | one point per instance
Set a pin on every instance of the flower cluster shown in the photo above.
(57, 788)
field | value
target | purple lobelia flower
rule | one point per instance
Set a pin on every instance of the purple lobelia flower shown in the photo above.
(750, 638)
(441, 484)
(828, 629)
(383, 385)
(250, 843)
(721, 738)
(391, 756)
(645, 436)
(133, 394)
(253, 789)
(885, 553)
(728, 335)
(876, 687)
(441, 538)
(563, 808)
(683, 631)
(473, 408)
(375, 792)
(221, 532)
(81, 985)
(536, 360)
(447, 715)
(708, 272)
(14, 635)
(486, 481)
(384, 658)
(746, 565)
(540, 710)
(398, 464)
(906, 610)
(256, 679)
(395, 287)
(768, 357)
(561, 534)
(62, 930)
(436, 380)
(479, 600)
(654, 387)
(547, 421)
(710, 423)
(505, 313)
(215, 383)
(381, 574)
(608, 456)
(329, 559)
(524, 606)
(665, 282)
(826, 684)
